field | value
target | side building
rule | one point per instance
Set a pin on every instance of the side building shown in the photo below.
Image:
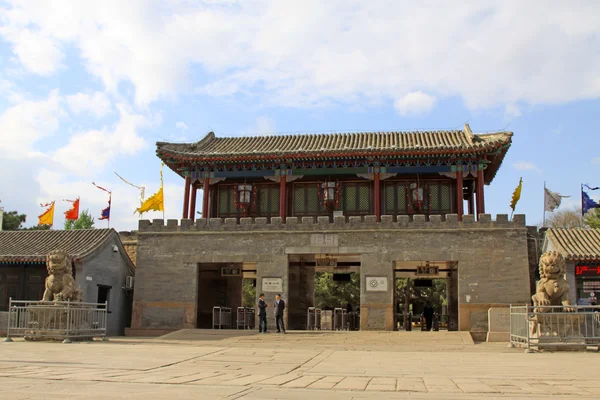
(100, 268)
(581, 250)
(277, 210)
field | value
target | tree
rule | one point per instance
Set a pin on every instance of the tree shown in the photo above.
(330, 294)
(592, 218)
(85, 221)
(37, 228)
(567, 218)
(249, 293)
(408, 294)
(13, 221)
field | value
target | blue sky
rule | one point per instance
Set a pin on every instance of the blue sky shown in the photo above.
(87, 88)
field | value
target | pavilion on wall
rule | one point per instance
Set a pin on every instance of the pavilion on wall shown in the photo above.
(354, 174)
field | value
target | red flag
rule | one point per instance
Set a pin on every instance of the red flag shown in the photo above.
(73, 213)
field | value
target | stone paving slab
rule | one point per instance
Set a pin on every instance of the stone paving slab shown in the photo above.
(159, 370)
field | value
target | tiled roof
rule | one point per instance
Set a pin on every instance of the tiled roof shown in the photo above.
(337, 145)
(576, 243)
(33, 246)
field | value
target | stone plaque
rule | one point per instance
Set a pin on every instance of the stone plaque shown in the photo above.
(428, 270)
(272, 285)
(499, 319)
(498, 324)
(324, 240)
(376, 283)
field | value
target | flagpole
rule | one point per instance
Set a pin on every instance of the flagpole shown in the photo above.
(544, 223)
(581, 221)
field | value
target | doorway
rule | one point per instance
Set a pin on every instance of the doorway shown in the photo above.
(328, 282)
(426, 295)
(229, 285)
(104, 295)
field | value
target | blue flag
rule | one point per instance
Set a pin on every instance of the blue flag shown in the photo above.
(591, 188)
(587, 203)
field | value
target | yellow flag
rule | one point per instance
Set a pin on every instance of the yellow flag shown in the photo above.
(516, 195)
(156, 202)
(47, 218)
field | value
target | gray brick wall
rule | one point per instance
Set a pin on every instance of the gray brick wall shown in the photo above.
(492, 258)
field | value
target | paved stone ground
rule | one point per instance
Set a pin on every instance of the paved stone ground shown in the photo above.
(349, 365)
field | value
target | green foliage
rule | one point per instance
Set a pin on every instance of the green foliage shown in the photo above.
(415, 298)
(330, 294)
(37, 228)
(85, 221)
(592, 218)
(13, 221)
(248, 293)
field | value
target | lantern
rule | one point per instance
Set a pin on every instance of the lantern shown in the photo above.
(328, 190)
(245, 194)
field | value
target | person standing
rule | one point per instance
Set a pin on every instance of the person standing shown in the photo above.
(262, 314)
(279, 307)
(428, 314)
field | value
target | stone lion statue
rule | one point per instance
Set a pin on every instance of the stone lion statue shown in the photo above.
(60, 285)
(552, 289)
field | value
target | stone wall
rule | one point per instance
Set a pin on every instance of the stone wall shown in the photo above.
(492, 256)
(129, 241)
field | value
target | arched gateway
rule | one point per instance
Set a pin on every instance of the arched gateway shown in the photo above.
(278, 209)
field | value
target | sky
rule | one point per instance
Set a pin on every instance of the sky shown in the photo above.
(88, 87)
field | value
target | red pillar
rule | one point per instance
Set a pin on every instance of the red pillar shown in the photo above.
(193, 202)
(282, 197)
(205, 190)
(376, 186)
(459, 194)
(186, 197)
(480, 196)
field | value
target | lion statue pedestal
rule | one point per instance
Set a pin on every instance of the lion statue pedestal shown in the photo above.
(551, 301)
(55, 319)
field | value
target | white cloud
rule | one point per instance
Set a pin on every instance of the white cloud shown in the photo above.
(414, 103)
(596, 161)
(37, 52)
(91, 150)
(264, 126)
(525, 166)
(26, 121)
(315, 53)
(96, 104)
(511, 111)
(181, 125)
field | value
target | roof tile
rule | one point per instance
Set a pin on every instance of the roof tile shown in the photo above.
(576, 243)
(335, 143)
(35, 245)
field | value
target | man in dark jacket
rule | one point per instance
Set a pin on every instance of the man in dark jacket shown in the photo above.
(262, 314)
(279, 307)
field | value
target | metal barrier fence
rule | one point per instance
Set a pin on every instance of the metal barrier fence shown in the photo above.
(353, 321)
(339, 319)
(246, 318)
(408, 321)
(551, 327)
(221, 317)
(64, 320)
(313, 319)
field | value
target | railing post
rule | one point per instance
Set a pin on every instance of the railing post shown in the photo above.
(528, 348)
(105, 338)
(67, 339)
(8, 339)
